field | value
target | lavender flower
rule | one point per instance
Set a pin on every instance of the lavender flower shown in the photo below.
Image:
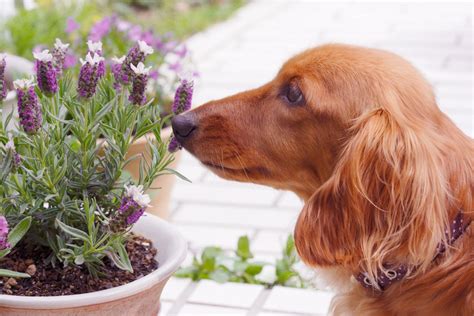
(182, 103)
(181, 52)
(3, 84)
(133, 205)
(89, 75)
(3, 233)
(183, 96)
(174, 145)
(45, 72)
(116, 69)
(10, 146)
(101, 28)
(140, 80)
(95, 48)
(71, 25)
(135, 55)
(59, 55)
(29, 109)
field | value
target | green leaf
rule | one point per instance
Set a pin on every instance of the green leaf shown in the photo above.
(240, 266)
(73, 232)
(220, 276)
(79, 260)
(13, 274)
(290, 246)
(118, 261)
(123, 254)
(243, 248)
(187, 272)
(17, 233)
(254, 268)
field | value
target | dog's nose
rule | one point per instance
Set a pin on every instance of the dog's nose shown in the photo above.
(183, 125)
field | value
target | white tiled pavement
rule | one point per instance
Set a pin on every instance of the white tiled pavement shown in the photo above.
(245, 52)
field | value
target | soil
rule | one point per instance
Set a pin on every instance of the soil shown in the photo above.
(47, 280)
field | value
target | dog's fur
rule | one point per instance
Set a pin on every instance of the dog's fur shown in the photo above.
(381, 169)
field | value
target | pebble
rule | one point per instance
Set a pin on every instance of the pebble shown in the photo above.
(31, 270)
(12, 282)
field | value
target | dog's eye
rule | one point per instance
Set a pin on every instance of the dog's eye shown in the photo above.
(294, 94)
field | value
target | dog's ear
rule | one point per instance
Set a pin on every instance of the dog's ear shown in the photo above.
(385, 202)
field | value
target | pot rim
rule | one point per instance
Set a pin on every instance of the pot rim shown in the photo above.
(165, 269)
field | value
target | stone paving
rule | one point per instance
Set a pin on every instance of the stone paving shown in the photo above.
(245, 52)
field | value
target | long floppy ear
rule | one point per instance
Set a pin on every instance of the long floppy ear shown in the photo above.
(386, 201)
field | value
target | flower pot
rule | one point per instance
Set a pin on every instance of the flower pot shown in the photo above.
(140, 297)
(160, 198)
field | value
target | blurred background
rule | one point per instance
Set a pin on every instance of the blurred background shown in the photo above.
(230, 46)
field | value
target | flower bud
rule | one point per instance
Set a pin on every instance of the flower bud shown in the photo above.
(46, 73)
(29, 109)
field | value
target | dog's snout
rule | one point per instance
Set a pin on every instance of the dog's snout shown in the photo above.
(183, 125)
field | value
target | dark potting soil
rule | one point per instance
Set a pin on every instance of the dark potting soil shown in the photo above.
(54, 281)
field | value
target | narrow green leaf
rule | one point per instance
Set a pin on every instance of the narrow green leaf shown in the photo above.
(243, 248)
(17, 233)
(73, 232)
(13, 274)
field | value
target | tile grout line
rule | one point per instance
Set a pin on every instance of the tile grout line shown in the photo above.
(182, 299)
(257, 306)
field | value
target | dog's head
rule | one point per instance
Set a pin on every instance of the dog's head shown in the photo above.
(357, 133)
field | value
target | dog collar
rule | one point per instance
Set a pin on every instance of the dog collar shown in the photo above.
(392, 274)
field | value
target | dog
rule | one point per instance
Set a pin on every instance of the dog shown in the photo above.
(386, 177)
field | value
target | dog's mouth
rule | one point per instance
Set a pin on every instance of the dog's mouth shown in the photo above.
(248, 172)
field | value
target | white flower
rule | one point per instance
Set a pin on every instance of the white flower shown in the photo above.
(94, 46)
(118, 60)
(24, 83)
(43, 56)
(60, 45)
(136, 193)
(140, 69)
(145, 48)
(92, 59)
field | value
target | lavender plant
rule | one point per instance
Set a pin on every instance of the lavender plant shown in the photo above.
(61, 167)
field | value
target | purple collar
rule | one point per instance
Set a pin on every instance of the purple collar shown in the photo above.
(393, 273)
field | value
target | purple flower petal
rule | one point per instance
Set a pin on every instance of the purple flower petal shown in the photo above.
(71, 25)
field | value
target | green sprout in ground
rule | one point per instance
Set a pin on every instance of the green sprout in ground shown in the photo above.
(238, 266)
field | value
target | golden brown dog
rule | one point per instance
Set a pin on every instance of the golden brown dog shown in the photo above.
(358, 135)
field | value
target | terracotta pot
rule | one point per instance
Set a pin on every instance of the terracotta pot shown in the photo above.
(141, 297)
(160, 198)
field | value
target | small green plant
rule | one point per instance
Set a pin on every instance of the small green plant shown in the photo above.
(61, 166)
(238, 266)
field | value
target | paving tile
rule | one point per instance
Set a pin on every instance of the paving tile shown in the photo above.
(165, 308)
(241, 195)
(256, 217)
(270, 241)
(196, 309)
(290, 200)
(274, 314)
(174, 288)
(298, 300)
(207, 235)
(191, 171)
(228, 294)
